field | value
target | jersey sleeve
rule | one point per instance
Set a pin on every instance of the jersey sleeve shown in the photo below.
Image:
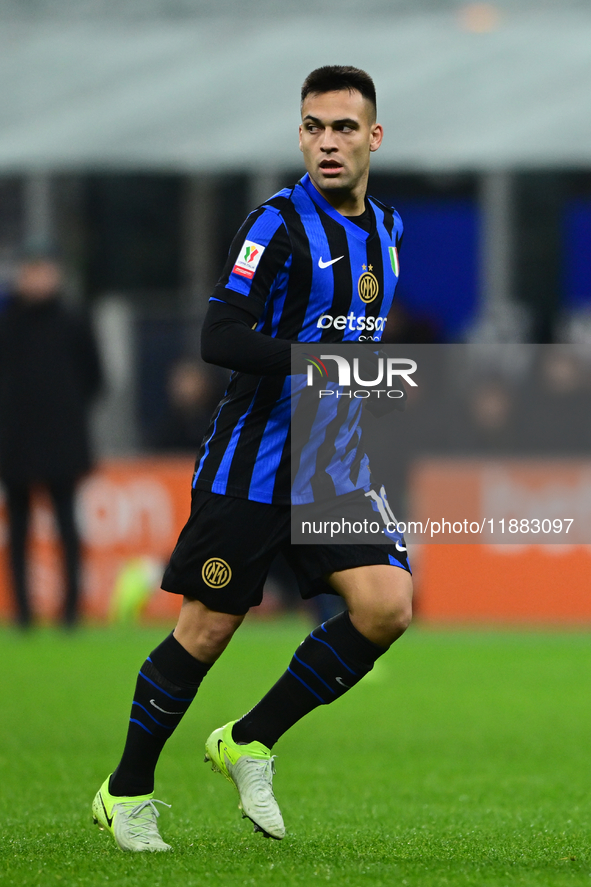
(257, 255)
(228, 340)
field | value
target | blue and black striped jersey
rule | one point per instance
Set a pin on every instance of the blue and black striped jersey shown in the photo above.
(305, 273)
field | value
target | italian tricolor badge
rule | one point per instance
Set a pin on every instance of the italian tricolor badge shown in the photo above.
(394, 260)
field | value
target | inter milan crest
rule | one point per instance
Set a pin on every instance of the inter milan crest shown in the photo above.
(367, 285)
(216, 572)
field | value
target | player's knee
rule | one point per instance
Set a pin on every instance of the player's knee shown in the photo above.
(402, 617)
(212, 635)
(383, 622)
(393, 618)
(381, 607)
(204, 632)
(218, 632)
(391, 613)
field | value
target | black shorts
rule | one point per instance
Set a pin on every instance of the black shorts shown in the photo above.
(225, 549)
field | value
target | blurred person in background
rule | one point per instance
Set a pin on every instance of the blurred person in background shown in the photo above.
(556, 419)
(484, 420)
(49, 374)
(192, 393)
(4, 296)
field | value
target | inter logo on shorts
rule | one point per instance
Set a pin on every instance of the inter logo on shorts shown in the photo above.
(368, 287)
(216, 573)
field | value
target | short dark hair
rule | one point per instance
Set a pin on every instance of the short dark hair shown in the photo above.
(331, 78)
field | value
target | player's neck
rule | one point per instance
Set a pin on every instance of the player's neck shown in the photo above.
(346, 202)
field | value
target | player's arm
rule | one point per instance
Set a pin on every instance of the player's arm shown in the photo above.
(257, 259)
(228, 340)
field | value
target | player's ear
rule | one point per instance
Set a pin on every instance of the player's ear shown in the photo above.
(376, 136)
(300, 136)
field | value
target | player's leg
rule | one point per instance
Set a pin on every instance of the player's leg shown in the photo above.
(63, 496)
(331, 660)
(18, 508)
(337, 654)
(379, 601)
(166, 685)
(219, 566)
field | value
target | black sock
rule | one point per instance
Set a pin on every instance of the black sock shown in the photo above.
(166, 686)
(332, 659)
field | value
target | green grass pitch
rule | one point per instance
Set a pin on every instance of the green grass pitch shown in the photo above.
(464, 759)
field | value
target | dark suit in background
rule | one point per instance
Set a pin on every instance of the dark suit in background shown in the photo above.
(49, 374)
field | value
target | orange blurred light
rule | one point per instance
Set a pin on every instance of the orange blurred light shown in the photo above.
(479, 18)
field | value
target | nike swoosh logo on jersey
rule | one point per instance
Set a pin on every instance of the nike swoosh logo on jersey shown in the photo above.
(322, 264)
(400, 547)
(342, 683)
(152, 702)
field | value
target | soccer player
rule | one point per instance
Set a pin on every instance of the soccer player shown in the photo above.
(316, 263)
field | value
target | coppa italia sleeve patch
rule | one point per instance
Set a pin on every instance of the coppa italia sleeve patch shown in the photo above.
(248, 259)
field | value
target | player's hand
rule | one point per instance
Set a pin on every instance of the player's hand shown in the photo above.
(363, 361)
(383, 405)
(380, 405)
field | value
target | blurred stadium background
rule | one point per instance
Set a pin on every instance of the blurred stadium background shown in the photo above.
(138, 135)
